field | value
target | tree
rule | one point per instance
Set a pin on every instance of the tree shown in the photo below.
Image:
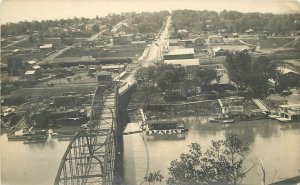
(222, 163)
(163, 75)
(251, 72)
(206, 76)
(154, 177)
(95, 28)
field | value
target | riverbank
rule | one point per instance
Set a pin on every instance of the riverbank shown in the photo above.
(155, 107)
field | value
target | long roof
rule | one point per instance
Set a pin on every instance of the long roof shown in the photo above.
(29, 72)
(184, 51)
(31, 62)
(285, 70)
(183, 62)
(46, 46)
(231, 48)
(113, 67)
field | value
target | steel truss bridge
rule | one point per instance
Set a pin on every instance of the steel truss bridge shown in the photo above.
(90, 156)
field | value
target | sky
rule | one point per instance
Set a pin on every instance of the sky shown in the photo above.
(21, 10)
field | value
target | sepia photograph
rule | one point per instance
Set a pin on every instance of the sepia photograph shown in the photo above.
(150, 92)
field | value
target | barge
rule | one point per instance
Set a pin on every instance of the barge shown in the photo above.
(28, 136)
(165, 127)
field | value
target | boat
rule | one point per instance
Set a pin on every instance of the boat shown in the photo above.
(14, 137)
(165, 127)
(36, 139)
(228, 121)
(289, 113)
(221, 120)
(214, 120)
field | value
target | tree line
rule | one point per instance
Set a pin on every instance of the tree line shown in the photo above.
(144, 22)
(234, 21)
(172, 81)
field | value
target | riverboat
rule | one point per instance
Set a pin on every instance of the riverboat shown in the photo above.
(221, 120)
(289, 113)
(29, 136)
(14, 137)
(35, 139)
(165, 127)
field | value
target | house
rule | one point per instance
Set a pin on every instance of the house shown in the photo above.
(185, 53)
(116, 67)
(222, 50)
(46, 47)
(38, 70)
(30, 64)
(215, 39)
(186, 42)
(288, 77)
(30, 75)
(235, 35)
(56, 30)
(189, 65)
(218, 51)
(249, 31)
(182, 33)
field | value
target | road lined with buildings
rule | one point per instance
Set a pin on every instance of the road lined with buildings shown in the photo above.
(151, 55)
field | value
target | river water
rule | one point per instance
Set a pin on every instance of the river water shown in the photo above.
(276, 145)
(30, 164)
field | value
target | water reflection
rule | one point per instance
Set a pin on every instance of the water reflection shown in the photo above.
(51, 144)
(269, 141)
(30, 164)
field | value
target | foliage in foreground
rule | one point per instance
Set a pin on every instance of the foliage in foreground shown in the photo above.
(222, 163)
(154, 177)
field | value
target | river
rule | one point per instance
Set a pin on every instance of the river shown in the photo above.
(30, 164)
(275, 145)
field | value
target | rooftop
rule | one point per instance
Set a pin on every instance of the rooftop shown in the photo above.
(30, 72)
(46, 46)
(113, 67)
(138, 42)
(293, 106)
(74, 59)
(285, 70)
(231, 48)
(184, 51)
(31, 62)
(36, 67)
(183, 62)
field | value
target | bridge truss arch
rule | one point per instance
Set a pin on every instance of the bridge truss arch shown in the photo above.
(90, 155)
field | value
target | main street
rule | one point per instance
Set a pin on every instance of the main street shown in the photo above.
(151, 55)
